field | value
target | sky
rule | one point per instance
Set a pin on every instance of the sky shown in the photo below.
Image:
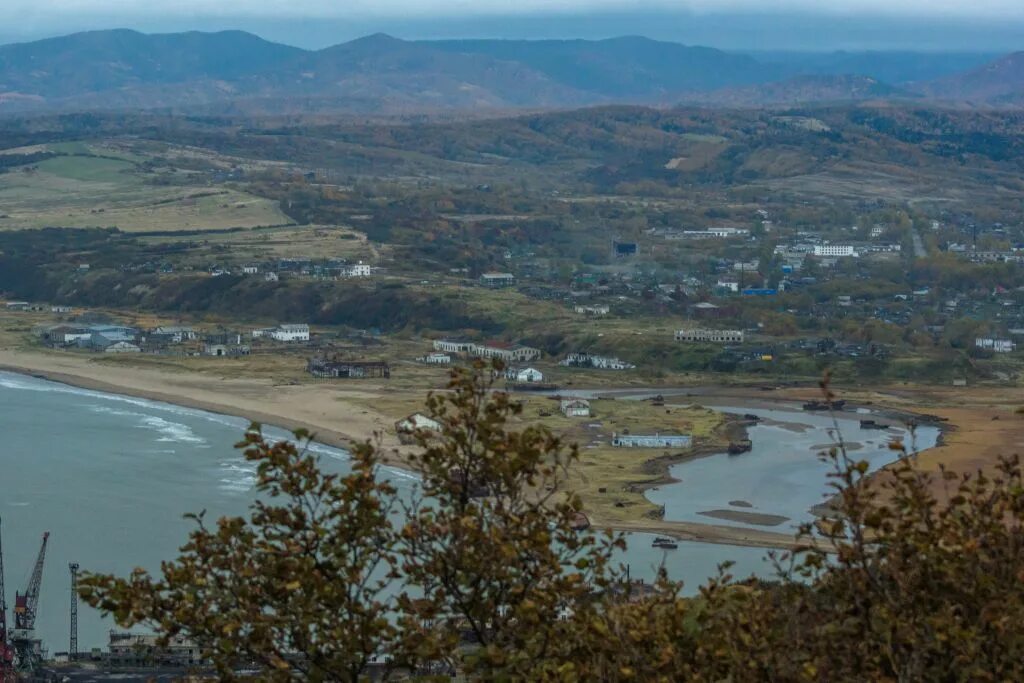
(976, 25)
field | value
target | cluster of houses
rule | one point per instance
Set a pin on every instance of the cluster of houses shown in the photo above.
(271, 271)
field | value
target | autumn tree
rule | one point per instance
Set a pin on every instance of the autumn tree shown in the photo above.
(301, 589)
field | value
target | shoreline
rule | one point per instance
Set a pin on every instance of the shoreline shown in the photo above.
(91, 377)
(326, 437)
(313, 407)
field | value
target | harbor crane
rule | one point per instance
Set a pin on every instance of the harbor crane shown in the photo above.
(27, 648)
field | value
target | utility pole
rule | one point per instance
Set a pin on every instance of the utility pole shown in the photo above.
(73, 645)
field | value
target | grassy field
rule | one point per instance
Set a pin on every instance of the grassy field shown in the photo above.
(98, 191)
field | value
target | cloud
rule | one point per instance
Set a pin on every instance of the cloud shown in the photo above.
(340, 9)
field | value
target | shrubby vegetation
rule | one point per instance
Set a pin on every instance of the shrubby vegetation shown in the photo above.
(488, 575)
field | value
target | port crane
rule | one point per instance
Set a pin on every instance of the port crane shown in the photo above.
(28, 648)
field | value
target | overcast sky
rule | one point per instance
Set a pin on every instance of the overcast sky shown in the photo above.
(989, 25)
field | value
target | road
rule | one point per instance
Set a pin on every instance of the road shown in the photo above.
(919, 249)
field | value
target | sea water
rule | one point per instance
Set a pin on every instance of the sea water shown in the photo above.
(110, 477)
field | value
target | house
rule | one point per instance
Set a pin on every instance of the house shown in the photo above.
(176, 333)
(652, 440)
(408, 427)
(525, 375)
(596, 310)
(497, 280)
(454, 345)
(729, 284)
(582, 359)
(343, 369)
(60, 309)
(18, 306)
(292, 332)
(575, 407)
(122, 347)
(510, 353)
(436, 358)
(271, 277)
(250, 269)
(704, 335)
(226, 350)
(358, 270)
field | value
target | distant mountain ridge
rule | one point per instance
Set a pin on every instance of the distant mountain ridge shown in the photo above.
(124, 69)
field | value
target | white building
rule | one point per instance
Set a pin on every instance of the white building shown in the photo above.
(436, 358)
(506, 352)
(290, 332)
(122, 347)
(995, 345)
(271, 277)
(652, 440)
(585, 360)
(835, 250)
(575, 407)
(596, 309)
(453, 345)
(699, 335)
(359, 270)
(525, 375)
(250, 269)
(731, 285)
(497, 280)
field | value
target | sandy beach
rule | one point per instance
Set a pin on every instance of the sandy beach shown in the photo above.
(977, 431)
(318, 408)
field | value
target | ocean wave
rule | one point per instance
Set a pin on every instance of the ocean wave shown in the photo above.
(173, 432)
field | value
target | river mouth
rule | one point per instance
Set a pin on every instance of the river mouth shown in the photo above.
(783, 478)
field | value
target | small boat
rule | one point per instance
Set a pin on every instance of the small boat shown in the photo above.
(871, 424)
(661, 539)
(667, 546)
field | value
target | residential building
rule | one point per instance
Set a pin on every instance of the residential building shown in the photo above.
(707, 335)
(497, 280)
(290, 332)
(652, 440)
(359, 270)
(835, 250)
(271, 277)
(250, 269)
(575, 407)
(60, 309)
(524, 375)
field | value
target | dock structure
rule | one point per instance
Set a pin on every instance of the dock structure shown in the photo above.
(323, 368)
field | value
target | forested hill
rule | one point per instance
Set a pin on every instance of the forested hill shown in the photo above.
(234, 71)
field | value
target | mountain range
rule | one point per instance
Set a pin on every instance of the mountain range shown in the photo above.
(379, 74)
